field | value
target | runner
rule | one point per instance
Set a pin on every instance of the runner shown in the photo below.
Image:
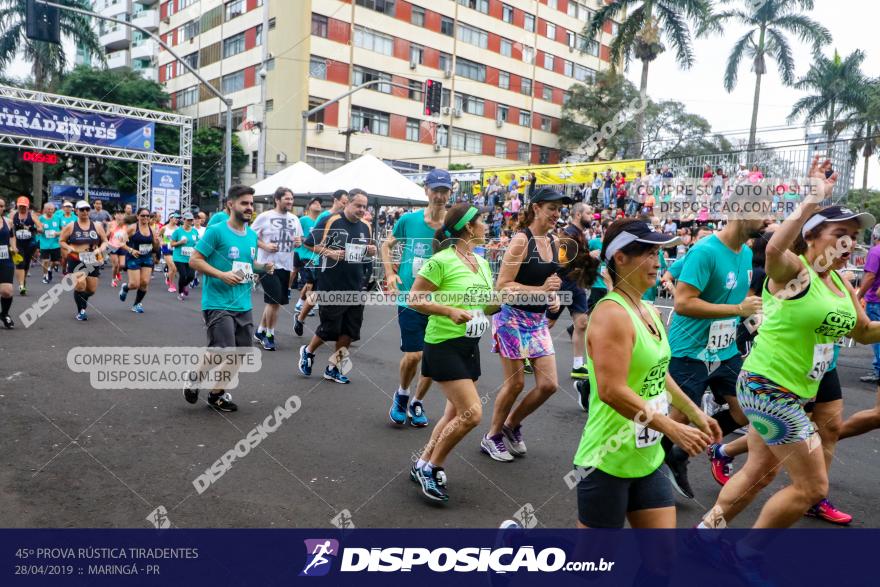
(340, 200)
(8, 251)
(183, 241)
(117, 235)
(415, 233)
(201, 225)
(221, 215)
(520, 332)
(807, 307)
(142, 243)
(226, 257)
(26, 226)
(711, 297)
(628, 358)
(345, 244)
(65, 217)
(50, 248)
(167, 256)
(303, 259)
(451, 356)
(100, 216)
(279, 233)
(85, 243)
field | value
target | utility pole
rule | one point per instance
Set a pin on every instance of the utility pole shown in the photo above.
(452, 85)
(264, 74)
(212, 89)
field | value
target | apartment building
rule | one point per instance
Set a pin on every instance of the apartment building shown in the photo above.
(123, 46)
(506, 67)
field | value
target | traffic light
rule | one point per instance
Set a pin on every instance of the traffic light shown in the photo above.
(42, 23)
(433, 97)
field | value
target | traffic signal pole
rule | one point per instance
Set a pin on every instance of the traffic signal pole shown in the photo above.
(227, 101)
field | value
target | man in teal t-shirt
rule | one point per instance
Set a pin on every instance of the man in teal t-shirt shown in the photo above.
(304, 260)
(226, 257)
(710, 300)
(183, 241)
(50, 246)
(415, 234)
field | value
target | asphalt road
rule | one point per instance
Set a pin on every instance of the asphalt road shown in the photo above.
(76, 456)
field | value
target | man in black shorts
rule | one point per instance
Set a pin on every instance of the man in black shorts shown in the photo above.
(345, 244)
(280, 233)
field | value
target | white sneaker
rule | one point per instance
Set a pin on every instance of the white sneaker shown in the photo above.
(495, 448)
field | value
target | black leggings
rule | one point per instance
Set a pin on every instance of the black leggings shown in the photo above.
(185, 275)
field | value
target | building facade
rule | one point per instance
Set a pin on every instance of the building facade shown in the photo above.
(505, 66)
(123, 46)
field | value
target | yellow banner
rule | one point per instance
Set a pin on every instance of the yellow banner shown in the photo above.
(569, 173)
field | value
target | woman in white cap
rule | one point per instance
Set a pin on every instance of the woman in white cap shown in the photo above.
(85, 242)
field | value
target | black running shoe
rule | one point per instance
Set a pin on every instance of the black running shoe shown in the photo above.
(582, 388)
(679, 477)
(191, 395)
(570, 330)
(298, 326)
(222, 402)
(7, 321)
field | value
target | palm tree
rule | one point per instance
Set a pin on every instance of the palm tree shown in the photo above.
(48, 61)
(838, 93)
(867, 128)
(768, 22)
(641, 34)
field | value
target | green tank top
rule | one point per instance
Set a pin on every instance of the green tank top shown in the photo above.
(611, 443)
(795, 343)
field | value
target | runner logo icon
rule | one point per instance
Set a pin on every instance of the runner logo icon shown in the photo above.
(319, 556)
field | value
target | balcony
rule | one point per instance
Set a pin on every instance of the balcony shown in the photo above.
(117, 37)
(118, 59)
(146, 70)
(146, 49)
(148, 19)
(113, 7)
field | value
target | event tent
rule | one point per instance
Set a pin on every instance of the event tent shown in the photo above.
(301, 177)
(385, 185)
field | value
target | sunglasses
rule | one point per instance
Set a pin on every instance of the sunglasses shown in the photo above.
(143, 215)
(83, 209)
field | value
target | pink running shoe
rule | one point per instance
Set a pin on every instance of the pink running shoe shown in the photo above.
(172, 289)
(825, 510)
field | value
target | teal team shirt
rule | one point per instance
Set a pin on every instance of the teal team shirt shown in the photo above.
(595, 244)
(48, 239)
(676, 267)
(182, 252)
(722, 277)
(218, 217)
(64, 220)
(417, 239)
(307, 225)
(227, 250)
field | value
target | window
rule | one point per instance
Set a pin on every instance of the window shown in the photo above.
(363, 75)
(232, 82)
(552, 4)
(444, 98)
(445, 61)
(255, 161)
(209, 54)
(584, 74)
(528, 55)
(169, 70)
(211, 19)
(181, 4)
(578, 10)
(188, 97)
(442, 135)
(418, 16)
(479, 5)
(504, 80)
(568, 68)
(545, 123)
(383, 6)
(525, 86)
(470, 69)
(572, 38)
(463, 140)
(369, 121)
(548, 61)
(566, 96)
(319, 115)
(501, 148)
(234, 8)
(318, 68)
(413, 132)
(506, 48)
(416, 54)
(270, 105)
(507, 13)
(593, 48)
(258, 35)
(319, 25)
(472, 36)
(525, 118)
(547, 93)
(373, 41)
(551, 30)
(502, 113)
(529, 23)
(233, 45)
(615, 28)
(522, 152)
(544, 155)
(416, 91)
(192, 60)
(470, 104)
(190, 30)
(447, 26)
(270, 64)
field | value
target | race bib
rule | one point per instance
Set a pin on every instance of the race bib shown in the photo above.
(4, 252)
(355, 253)
(417, 263)
(186, 251)
(823, 354)
(145, 249)
(246, 269)
(51, 233)
(648, 436)
(23, 234)
(722, 333)
(477, 325)
(88, 258)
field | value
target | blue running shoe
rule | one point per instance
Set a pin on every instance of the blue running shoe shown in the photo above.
(123, 292)
(137, 309)
(432, 488)
(82, 316)
(398, 408)
(414, 473)
(333, 374)
(268, 342)
(305, 361)
(417, 417)
(260, 338)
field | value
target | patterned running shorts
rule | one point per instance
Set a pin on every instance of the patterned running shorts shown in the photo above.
(775, 413)
(517, 334)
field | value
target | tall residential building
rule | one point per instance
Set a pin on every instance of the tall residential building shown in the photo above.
(508, 64)
(124, 46)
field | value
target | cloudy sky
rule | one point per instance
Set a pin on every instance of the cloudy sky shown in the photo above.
(701, 88)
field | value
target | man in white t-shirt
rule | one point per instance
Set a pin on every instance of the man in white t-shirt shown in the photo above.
(280, 233)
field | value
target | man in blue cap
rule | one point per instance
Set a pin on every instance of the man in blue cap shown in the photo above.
(415, 234)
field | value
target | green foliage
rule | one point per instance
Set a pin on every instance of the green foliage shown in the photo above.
(460, 166)
(208, 161)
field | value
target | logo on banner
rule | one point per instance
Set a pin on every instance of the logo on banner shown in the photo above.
(319, 556)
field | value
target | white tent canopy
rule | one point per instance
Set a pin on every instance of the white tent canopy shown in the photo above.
(384, 184)
(300, 177)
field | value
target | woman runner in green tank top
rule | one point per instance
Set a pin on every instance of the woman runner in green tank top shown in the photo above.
(807, 307)
(617, 462)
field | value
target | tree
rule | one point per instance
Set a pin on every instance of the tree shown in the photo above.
(768, 22)
(48, 61)
(867, 128)
(208, 160)
(641, 34)
(672, 132)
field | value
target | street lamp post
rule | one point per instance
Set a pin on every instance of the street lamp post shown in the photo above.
(212, 89)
